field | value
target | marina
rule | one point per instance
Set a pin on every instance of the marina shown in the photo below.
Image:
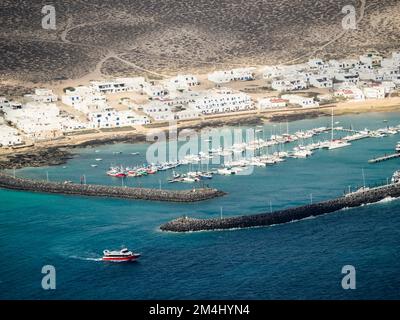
(239, 158)
(225, 260)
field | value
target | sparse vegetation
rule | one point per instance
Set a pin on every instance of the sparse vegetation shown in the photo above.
(173, 35)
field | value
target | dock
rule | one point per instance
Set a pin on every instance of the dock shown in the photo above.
(192, 195)
(385, 158)
(353, 200)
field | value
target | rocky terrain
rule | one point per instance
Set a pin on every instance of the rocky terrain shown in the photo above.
(160, 37)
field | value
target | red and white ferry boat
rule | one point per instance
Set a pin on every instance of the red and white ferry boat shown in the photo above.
(123, 255)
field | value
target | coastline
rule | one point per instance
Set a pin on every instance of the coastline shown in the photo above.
(58, 152)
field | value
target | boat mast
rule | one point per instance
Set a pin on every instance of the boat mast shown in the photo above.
(363, 175)
(332, 126)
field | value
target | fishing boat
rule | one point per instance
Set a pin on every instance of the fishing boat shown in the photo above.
(116, 173)
(336, 144)
(225, 172)
(205, 175)
(135, 153)
(398, 147)
(301, 153)
(99, 159)
(123, 255)
(94, 165)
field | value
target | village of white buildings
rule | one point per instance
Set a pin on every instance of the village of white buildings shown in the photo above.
(129, 102)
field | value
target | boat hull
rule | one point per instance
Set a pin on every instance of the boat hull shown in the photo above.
(121, 259)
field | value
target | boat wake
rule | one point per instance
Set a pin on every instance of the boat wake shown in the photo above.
(85, 258)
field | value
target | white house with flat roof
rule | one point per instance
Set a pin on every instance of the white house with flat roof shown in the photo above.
(4, 103)
(182, 82)
(119, 85)
(42, 95)
(350, 93)
(320, 81)
(222, 101)
(155, 91)
(344, 64)
(283, 85)
(271, 103)
(302, 101)
(374, 92)
(317, 64)
(351, 78)
(238, 74)
(9, 136)
(112, 118)
(371, 59)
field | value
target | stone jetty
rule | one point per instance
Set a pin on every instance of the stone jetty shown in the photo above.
(200, 194)
(352, 200)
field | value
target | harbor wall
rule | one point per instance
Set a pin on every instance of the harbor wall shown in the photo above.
(9, 182)
(284, 216)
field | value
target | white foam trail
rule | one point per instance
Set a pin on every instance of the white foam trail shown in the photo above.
(387, 199)
(86, 259)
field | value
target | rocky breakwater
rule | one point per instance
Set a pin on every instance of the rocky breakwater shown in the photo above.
(9, 182)
(284, 216)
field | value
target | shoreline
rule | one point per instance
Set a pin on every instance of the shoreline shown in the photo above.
(58, 152)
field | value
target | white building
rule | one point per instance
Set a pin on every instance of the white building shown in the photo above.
(348, 77)
(271, 103)
(304, 102)
(289, 85)
(319, 81)
(374, 92)
(222, 101)
(155, 91)
(344, 64)
(371, 59)
(9, 136)
(119, 85)
(238, 74)
(351, 94)
(182, 82)
(4, 103)
(187, 114)
(42, 95)
(112, 118)
(318, 64)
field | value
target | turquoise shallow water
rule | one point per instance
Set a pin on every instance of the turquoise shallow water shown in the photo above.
(301, 260)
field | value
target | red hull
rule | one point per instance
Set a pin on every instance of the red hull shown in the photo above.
(121, 259)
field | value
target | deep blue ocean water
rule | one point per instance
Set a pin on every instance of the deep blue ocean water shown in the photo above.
(300, 260)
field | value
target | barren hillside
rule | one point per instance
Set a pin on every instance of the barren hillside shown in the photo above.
(158, 37)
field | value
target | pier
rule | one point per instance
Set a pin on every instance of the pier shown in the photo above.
(385, 158)
(193, 195)
(352, 200)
